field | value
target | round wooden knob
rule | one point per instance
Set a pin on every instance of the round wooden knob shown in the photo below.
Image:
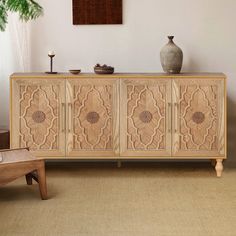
(92, 117)
(145, 116)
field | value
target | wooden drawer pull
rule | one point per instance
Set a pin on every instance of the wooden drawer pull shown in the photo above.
(176, 106)
(169, 117)
(69, 117)
(63, 117)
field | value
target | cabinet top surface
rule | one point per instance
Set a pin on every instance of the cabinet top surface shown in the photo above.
(118, 75)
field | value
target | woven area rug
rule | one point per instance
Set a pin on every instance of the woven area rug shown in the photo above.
(135, 200)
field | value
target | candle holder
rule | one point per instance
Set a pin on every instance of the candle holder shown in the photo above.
(51, 65)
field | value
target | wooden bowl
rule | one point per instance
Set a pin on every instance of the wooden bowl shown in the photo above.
(104, 70)
(75, 72)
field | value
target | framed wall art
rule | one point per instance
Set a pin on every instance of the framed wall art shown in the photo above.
(86, 12)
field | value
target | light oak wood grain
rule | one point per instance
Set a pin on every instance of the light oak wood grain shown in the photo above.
(92, 117)
(37, 120)
(199, 125)
(20, 162)
(145, 116)
(124, 115)
(201, 75)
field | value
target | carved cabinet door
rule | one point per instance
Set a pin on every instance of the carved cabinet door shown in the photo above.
(92, 117)
(145, 117)
(198, 117)
(38, 108)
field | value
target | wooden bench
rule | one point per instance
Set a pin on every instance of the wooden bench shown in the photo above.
(5, 139)
(19, 162)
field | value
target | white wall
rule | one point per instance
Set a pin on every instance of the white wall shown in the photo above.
(204, 29)
(6, 62)
(14, 56)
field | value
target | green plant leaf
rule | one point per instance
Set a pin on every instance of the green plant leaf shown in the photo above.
(3, 16)
(27, 10)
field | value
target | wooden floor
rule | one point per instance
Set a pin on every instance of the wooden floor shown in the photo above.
(141, 199)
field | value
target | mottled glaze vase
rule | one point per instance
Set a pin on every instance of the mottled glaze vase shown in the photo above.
(171, 57)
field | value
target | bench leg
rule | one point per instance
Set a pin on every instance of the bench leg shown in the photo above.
(42, 181)
(28, 178)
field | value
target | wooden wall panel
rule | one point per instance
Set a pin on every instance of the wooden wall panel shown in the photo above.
(97, 12)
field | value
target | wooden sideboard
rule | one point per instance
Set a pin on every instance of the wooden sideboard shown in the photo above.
(120, 116)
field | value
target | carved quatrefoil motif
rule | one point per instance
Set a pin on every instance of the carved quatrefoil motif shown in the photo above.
(92, 117)
(38, 116)
(146, 116)
(198, 117)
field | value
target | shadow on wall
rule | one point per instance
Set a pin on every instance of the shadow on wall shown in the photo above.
(231, 133)
(191, 65)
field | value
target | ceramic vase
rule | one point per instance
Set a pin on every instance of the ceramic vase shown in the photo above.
(171, 57)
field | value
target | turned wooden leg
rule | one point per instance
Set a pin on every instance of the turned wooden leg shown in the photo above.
(28, 178)
(219, 167)
(42, 181)
(213, 162)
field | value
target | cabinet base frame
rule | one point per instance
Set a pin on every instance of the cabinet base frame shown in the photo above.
(216, 162)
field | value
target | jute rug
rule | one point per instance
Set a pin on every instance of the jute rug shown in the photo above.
(136, 200)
